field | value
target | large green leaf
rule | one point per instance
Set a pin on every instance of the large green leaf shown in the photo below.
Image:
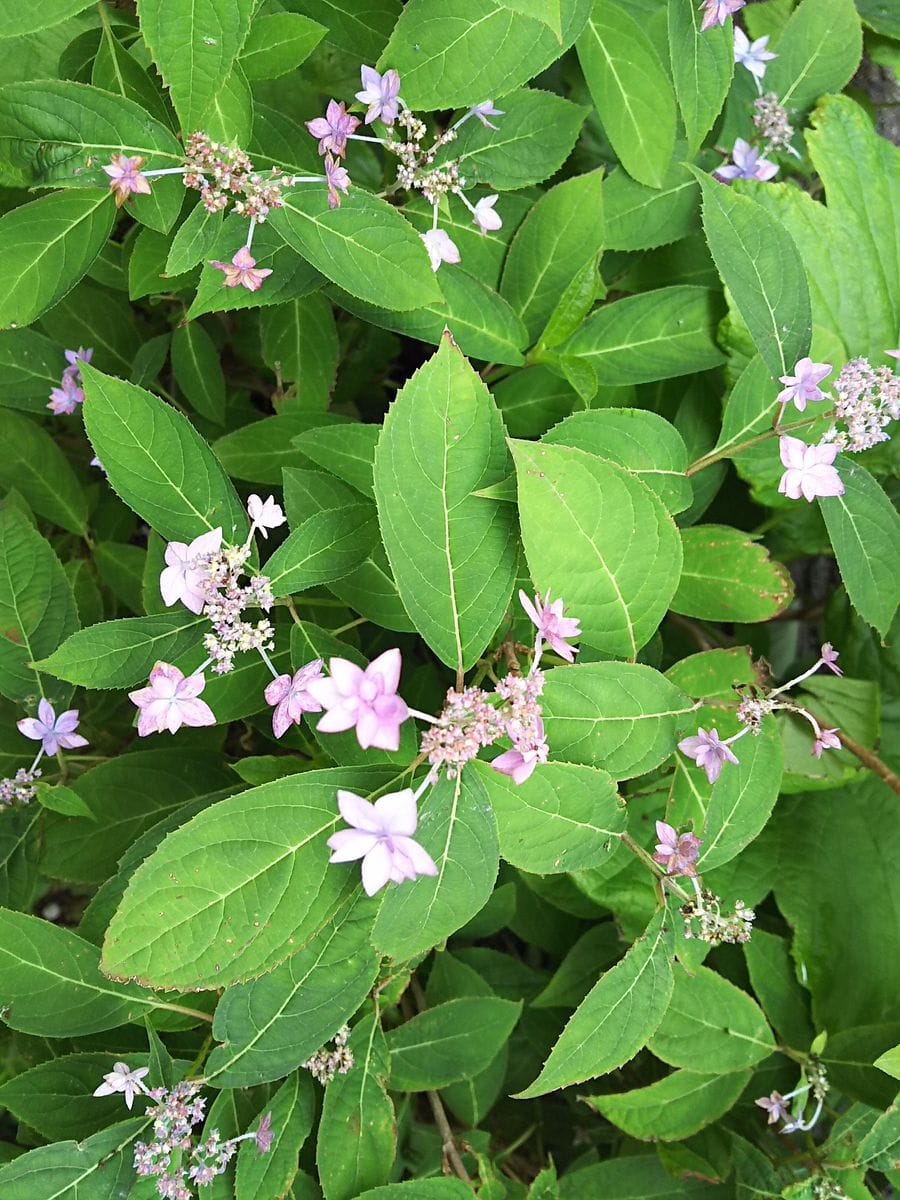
(291, 1112)
(617, 1017)
(728, 577)
(633, 1175)
(17, 19)
(118, 654)
(99, 1168)
(34, 465)
(158, 463)
(597, 536)
(674, 1107)
(326, 546)
(198, 371)
(631, 91)
(640, 217)
(453, 554)
(29, 368)
(702, 67)
(818, 52)
(449, 1042)
(742, 797)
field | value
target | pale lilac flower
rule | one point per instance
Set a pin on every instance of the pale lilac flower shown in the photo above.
(337, 179)
(265, 514)
(810, 472)
(748, 164)
(292, 698)
(775, 1105)
(64, 400)
(242, 271)
(802, 386)
(893, 353)
(708, 751)
(380, 92)
(366, 699)
(170, 701)
(829, 657)
(52, 731)
(440, 247)
(264, 1135)
(123, 1079)
(125, 178)
(552, 626)
(333, 129)
(381, 835)
(484, 110)
(676, 852)
(484, 216)
(519, 764)
(827, 740)
(182, 578)
(752, 55)
(75, 357)
(717, 12)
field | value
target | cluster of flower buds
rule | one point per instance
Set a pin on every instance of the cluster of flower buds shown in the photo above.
(813, 1086)
(325, 1063)
(55, 733)
(771, 122)
(175, 1158)
(711, 753)
(703, 918)
(867, 400)
(64, 400)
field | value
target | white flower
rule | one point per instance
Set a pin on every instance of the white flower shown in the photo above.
(484, 216)
(752, 55)
(265, 514)
(440, 248)
(122, 1079)
(180, 579)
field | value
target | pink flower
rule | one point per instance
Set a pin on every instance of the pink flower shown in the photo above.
(519, 764)
(380, 92)
(366, 699)
(551, 625)
(775, 1105)
(337, 179)
(123, 1079)
(333, 129)
(676, 852)
(484, 110)
(829, 657)
(171, 701)
(802, 386)
(381, 835)
(263, 1136)
(75, 357)
(52, 731)
(66, 398)
(718, 11)
(241, 271)
(125, 178)
(809, 470)
(827, 740)
(440, 247)
(708, 751)
(747, 164)
(292, 698)
(182, 579)
(752, 55)
(484, 216)
(265, 514)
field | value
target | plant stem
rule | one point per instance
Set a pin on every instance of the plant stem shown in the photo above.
(714, 456)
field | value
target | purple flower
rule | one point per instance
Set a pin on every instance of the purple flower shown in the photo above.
(752, 55)
(265, 514)
(440, 247)
(263, 1136)
(66, 398)
(484, 216)
(484, 110)
(171, 701)
(292, 698)
(827, 740)
(338, 180)
(775, 1105)
(551, 625)
(810, 472)
(747, 164)
(123, 1079)
(381, 835)
(708, 751)
(366, 699)
(242, 271)
(676, 852)
(52, 731)
(519, 764)
(829, 657)
(75, 357)
(125, 178)
(718, 11)
(181, 579)
(380, 92)
(333, 129)
(802, 386)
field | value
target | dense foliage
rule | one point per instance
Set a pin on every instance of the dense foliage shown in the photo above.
(465, 426)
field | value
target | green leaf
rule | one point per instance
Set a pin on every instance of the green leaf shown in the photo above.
(631, 91)
(194, 44)
(198, 371)
(864, 529)
(711, 1025)
(157, 461)
(452, 554)
(63, 800)
(99, 1168)
(674, 1107)
(889, 1062)
(457, 828)
(34, 465)
(119, 654)
(347, 452)
(533, 139)
(450, 1042)
(299, 339)
(644, 443)
(20, 844)
(16, 20)
(564, 818)
(630, 1176)
(640, 217)
(194, 240)
(763, 271)
(742, 799)
(560, 235)
(419, 1189)
(880, 1148)
(455, 55)
(29, 368)
(292, 1110)
(593, 953)
(656, 335)
(773, 975)
(279, 42)
(617, 1017)
(818, 52)
(259, 452)
(618, 716)
(366, 247)
(749, 407)
(728, 577)
(46, 247)
(325, 547)
(599, 537)
(702, 66)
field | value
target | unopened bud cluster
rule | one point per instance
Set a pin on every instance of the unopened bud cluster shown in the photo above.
(867, 400)
(325, 1063)
(705, 921)
(226, 601)
(770, 120)
(224, 174)
(19, 790)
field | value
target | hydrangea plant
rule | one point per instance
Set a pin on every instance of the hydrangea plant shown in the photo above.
(449, 558)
